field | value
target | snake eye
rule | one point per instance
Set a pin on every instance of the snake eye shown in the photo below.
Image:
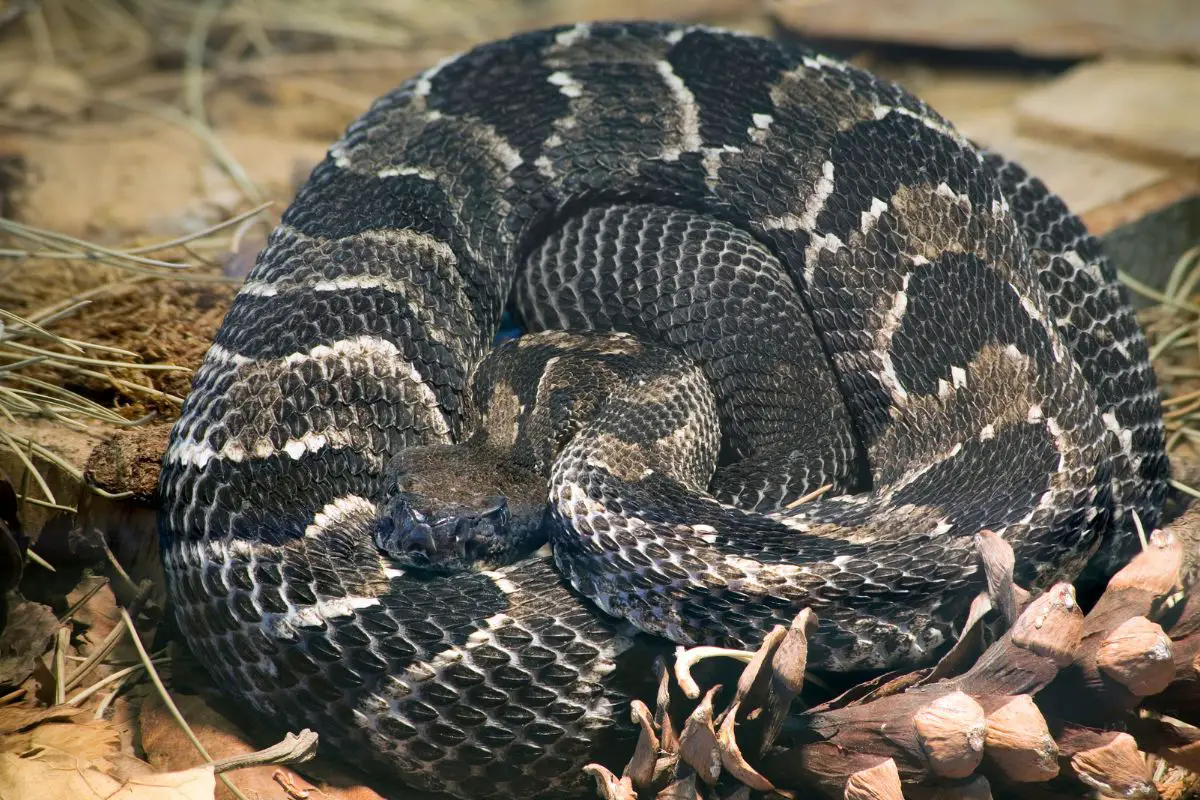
(495, 511)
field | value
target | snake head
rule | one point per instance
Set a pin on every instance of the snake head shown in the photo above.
(418, 531)
(447, 508)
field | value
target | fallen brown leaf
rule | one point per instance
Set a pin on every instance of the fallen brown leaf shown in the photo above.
(98, 613)
(56, 775)
(197, 783)
(52, 776)
(86, 740)
(15, 718)
(167, 748)
(29, 632)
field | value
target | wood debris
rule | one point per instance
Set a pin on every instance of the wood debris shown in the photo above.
(1059, 706)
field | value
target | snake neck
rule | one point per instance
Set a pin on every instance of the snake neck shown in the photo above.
(484, 504)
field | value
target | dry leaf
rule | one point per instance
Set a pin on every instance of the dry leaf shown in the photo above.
(23, 729)
(60, 776)
(15, 718)
(167, 748)
(86, 740)
(99, 614)
(197, 783)
(29, 632)
(52, 776)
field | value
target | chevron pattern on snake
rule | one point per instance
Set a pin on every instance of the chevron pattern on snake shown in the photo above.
(777, 273)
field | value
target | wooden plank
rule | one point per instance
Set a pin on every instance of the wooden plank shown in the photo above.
(1086, 180)
(1173, 191)
(1049, 28)
(1138, 109)
(1147, 232)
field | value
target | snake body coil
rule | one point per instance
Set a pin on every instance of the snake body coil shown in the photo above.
(780, 273)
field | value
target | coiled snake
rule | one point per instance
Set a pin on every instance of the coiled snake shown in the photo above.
(776, 272)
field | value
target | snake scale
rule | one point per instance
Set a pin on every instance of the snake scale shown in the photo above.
(745, 271)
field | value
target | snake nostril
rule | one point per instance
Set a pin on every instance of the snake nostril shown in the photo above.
(421, 539)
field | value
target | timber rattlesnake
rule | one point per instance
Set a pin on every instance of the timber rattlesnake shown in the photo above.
(782, 242)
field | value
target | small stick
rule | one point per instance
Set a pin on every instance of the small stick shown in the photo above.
(112, 559)
(110, 641)
(13, 696)
(41, 562)
(813, 495)
(62, 641)
(84, 694)
(687, 658)
(294, 749)
(169, 703)
(91, 592)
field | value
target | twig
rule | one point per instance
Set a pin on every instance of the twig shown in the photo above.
(30, 469)
(13, 696)
(88, 595)
(813, 495)
(1183, 487)
(41, 562)
(236, 222)
(84, 694)
(91, 250)
(62, 641)
(110, 641)
(169, 703)
(116, 565)
(295, 748)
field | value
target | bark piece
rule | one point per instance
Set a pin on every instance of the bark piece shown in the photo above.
(698, 745)
(1138, 109)
(880, 782)
(952, 730)
(641, 767)
(1137, 654)
(1019, 742)
(1107, 762)
(1063, 29)
(608, 785)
